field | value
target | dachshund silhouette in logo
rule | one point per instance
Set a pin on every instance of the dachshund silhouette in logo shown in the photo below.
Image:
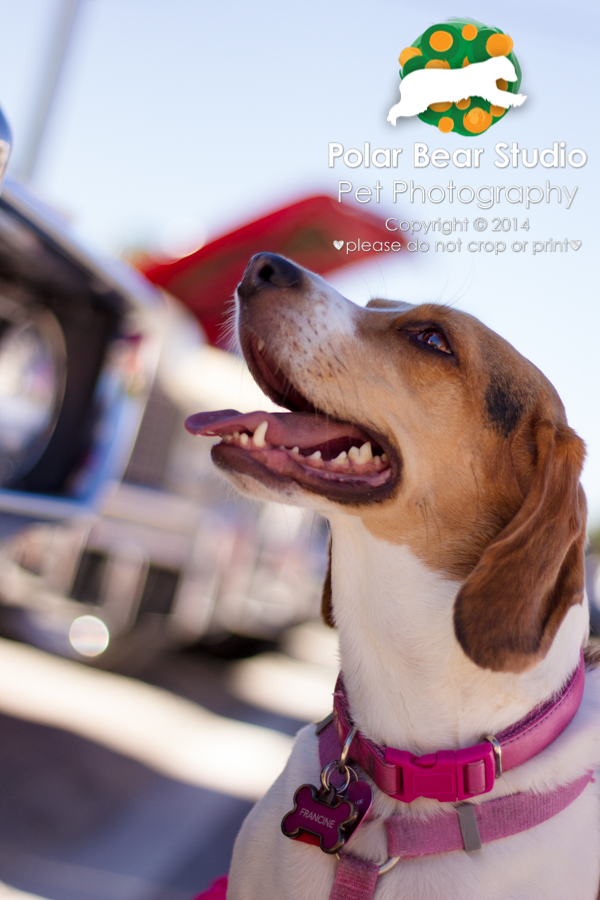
(423, 87)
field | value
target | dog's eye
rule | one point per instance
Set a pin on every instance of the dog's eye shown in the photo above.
(434, 339)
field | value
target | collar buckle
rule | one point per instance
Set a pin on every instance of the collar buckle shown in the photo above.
(448, 775)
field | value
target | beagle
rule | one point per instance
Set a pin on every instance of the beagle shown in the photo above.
(450, 477)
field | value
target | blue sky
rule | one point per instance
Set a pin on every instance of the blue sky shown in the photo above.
(190, 117)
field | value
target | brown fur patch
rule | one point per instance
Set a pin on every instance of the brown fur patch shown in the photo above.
(326, 604)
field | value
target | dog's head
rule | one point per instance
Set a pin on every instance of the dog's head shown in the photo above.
(432, 429)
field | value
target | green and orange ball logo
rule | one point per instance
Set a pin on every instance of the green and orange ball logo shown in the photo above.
(452, 45)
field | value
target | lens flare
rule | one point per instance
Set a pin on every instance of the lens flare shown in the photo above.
(89, 636)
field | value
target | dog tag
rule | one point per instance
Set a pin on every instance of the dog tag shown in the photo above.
(362, 796)
(321, 817)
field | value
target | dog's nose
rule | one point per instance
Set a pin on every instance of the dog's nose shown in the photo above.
(268, 270)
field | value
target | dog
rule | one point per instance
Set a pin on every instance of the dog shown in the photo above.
(421, 88)
(444, 463)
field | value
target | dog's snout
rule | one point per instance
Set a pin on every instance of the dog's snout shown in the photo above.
(268, 270)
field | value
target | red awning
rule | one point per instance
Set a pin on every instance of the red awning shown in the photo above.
(305, 231)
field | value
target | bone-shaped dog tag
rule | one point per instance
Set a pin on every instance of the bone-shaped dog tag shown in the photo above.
(321, 817)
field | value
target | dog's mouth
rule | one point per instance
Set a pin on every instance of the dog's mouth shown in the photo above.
(338, 459)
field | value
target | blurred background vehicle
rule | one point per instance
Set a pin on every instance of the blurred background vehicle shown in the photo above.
(79, 343)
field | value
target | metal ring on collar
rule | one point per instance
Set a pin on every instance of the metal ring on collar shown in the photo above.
(325, 776)
(389, 865)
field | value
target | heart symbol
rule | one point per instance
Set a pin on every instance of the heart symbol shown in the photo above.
(338, 245)
(575, 245)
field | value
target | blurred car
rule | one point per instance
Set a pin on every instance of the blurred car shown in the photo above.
(91, 566)
(79, 343)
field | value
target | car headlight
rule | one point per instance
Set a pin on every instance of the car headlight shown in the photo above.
(32, 383)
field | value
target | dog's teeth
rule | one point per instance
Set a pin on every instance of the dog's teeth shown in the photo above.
(365, 454)
(236, 434)
(261, 345)
(259, 435)
(226, 438)
(354, 454)
(377, 460)
(342, 458)
(244, 439)
(295, 450)
(384, 457)
(315, 455)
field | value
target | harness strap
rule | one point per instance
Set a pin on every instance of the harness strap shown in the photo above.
(410, 838)
(355, 879)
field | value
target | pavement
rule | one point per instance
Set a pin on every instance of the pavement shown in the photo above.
(134, 787)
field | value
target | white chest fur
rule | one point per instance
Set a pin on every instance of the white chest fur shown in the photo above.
(411, 686)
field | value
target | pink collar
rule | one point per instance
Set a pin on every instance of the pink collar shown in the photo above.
(453, 775)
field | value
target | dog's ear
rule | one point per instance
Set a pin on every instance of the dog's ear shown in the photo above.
(326, 607)
(509, 609)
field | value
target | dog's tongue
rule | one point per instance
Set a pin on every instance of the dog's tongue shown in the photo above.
(301, 430)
